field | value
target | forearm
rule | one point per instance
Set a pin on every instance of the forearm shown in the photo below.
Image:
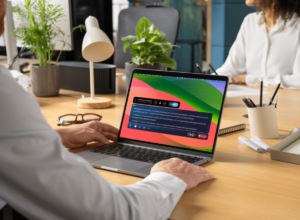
(63, 133)
(152, 198)
(287, 81)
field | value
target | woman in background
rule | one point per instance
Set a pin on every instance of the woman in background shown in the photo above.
(267, 46)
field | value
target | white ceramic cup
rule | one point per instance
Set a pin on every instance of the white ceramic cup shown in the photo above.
(263, 122)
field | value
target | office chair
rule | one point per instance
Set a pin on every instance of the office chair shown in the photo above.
(166, 19)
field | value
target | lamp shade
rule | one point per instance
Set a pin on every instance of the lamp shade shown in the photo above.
(96, 46)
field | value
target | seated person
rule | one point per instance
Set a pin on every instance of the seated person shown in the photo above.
(40, 179)
(267, 46)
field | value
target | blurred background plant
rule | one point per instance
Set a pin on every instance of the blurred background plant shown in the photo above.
(36, 21)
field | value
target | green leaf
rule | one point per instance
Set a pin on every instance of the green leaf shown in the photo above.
(166, 61)
(153, 38)
(135, 52)
(128, 40)
(80, 27)
(143, 40)
(155, 30)
(162, 45)
(150, 60)
(142, 27)
(136, 60)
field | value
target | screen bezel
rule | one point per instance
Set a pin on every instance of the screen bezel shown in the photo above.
(176, 74)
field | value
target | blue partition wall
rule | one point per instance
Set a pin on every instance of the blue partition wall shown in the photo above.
(227, 17)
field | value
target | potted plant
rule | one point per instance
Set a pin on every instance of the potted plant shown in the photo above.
(149, 48)
(36, 28)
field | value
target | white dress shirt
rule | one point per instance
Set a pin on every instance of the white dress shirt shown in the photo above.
(42, 180)
(273, 56)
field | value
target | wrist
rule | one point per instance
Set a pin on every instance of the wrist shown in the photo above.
(63, 133)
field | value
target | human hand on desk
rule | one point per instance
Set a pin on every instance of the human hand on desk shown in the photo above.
(189, 173)
(78, 136)
(239, 79)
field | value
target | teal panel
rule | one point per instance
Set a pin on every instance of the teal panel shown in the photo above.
(227, 17)
(219, 55)
(189, 30)
(234, 16)
(218, 25)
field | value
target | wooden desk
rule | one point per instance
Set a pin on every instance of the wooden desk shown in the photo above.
(247, 185)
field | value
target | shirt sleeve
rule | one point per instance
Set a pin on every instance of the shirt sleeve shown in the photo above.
(43, 180)
(235, 63)
(288, 81)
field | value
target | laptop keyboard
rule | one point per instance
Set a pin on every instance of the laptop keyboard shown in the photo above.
(141, 154)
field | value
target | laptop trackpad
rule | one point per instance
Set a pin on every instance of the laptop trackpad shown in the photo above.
(120, 163)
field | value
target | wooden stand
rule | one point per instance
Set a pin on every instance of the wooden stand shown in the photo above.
(94, 103)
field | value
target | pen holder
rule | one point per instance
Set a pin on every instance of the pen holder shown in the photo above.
(263, 121)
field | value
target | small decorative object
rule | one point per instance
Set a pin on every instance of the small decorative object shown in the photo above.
(96, 47)
(149, 48)
(37, 28)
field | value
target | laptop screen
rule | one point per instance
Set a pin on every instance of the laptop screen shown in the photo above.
(174, 111)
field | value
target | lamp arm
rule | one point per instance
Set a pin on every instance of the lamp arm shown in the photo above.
(92, 80)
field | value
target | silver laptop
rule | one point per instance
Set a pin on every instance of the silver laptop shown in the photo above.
(166, 115)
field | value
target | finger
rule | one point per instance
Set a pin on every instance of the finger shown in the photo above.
(108, 128)
(208, 177)
(96, 136)
(110, 136)
(203, 170)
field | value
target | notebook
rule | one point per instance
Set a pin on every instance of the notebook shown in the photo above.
(230, 126)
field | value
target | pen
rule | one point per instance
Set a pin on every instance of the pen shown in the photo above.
(213, 69)
(274, 94)
(276, 102)
(199, 68)
(251, 103)
(246, 101)
(261, 92)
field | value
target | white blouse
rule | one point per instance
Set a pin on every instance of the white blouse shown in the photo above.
(273, 56)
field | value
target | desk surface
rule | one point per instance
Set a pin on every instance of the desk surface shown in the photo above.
(247, 185)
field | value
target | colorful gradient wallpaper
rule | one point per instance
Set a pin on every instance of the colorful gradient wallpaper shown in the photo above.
(203, 96)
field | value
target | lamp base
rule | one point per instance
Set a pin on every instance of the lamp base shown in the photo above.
(94, 103)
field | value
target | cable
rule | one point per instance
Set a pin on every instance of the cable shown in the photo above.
(15, 58)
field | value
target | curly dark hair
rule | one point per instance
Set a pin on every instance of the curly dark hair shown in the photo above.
(285, 8)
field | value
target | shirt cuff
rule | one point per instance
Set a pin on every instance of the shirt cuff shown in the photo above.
(174, 184)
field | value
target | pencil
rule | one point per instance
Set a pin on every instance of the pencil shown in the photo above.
(274, 94)
(261, 93)
(213, 69)
(198, 67)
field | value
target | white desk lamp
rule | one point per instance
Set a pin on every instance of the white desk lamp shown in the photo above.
(96, 47)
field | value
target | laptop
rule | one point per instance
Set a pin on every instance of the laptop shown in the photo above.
(166, 115)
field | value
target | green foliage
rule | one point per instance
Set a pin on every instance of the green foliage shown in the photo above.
(37, 28)
(149, 46)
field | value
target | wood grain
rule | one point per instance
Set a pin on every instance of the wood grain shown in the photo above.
(247, 185)
(95, 103)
